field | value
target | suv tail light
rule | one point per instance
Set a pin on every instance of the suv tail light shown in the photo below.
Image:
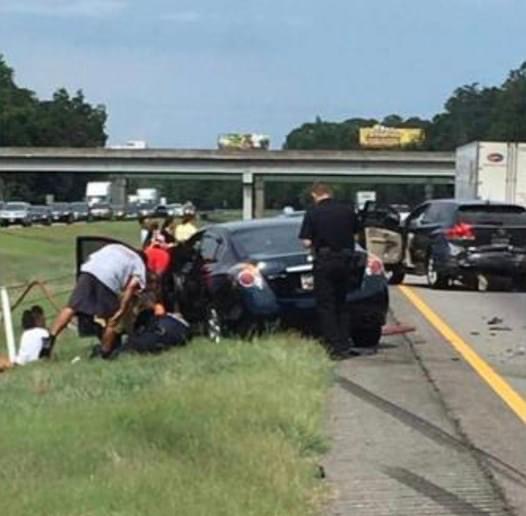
(249, 276)
(460, 231)
(375, 266)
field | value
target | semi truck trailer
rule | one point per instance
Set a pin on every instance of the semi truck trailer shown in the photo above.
(491, 171)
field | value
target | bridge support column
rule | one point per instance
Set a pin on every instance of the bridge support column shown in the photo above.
(259, 194)
(429, 191)
(248, 196)
(118, 190)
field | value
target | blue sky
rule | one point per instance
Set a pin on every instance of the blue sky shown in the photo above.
(178, 73)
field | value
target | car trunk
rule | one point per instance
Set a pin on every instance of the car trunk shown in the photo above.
(292, 275)
(490, 227)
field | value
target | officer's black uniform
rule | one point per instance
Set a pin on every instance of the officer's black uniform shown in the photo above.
(331, 227)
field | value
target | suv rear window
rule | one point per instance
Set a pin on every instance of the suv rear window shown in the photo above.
(488, 214)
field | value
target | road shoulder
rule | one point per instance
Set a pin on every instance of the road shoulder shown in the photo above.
(395, 450)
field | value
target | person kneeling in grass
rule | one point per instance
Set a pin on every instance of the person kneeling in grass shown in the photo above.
(108, 283)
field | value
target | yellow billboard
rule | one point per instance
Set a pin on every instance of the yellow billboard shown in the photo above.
(381, 137)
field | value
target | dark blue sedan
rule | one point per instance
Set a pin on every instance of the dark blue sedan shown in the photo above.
(243, 277)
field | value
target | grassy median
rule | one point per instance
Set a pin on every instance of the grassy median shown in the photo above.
(229, 429)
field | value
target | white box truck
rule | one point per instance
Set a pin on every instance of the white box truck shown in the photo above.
(148, 195)
(492, 171)
(98, 192)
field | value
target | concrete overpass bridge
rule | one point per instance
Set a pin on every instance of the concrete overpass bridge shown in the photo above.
(253, 168)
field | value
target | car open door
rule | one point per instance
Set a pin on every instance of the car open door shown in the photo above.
(190, 289)
(382, 235)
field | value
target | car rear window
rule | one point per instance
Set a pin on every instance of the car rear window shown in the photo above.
(268, 240)
(487, 214)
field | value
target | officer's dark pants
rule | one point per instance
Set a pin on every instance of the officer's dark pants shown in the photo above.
(332, 278)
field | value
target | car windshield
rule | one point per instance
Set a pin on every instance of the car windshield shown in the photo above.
(508, 215)
(268, 240)
(38, 209)
(60, 206)
(15, 206)
(79, 206)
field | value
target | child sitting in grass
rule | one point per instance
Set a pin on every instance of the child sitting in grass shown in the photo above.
(34, 326)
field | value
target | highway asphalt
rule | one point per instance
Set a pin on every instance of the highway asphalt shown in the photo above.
(493, 323)
(472, 347)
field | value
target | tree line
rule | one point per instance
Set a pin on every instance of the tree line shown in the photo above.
(473, 112)
(63, 121)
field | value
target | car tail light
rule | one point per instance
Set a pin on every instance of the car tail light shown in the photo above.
(249, 277)
(461, 231)
(375, 266)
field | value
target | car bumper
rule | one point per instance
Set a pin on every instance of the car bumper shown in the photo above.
(505, 262)
(368, 305)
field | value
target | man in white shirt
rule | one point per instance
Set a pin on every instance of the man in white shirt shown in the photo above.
(108, 282)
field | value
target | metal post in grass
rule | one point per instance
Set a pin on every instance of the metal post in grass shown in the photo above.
(8, 324)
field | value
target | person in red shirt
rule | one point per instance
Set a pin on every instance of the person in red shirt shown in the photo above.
(158, 256)
(159, 260)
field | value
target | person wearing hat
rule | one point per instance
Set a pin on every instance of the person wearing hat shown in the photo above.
(187, 228)
(106, 287)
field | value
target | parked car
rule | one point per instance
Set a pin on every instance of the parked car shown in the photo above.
(161, 211)
(118, 211)
(15, 213)
(242, 277)
(146, 210)
(175, 210)
(470, 241)
(132, 211)
(80, 211)
(61, 212)
(101, 211)
(41, 215)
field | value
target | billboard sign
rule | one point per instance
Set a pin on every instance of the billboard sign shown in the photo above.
(381, 137)
(243, 141)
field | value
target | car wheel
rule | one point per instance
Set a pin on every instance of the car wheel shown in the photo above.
(435, 279)
(366, 337)
(396, 275)
(213, 326)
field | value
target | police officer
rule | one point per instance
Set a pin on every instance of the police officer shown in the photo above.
(328, 230)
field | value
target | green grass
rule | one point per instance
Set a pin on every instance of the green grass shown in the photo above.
(229, 429)
(49, 252)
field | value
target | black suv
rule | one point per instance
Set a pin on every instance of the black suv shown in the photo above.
(466, 240)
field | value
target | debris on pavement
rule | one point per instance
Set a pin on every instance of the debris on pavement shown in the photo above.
(397, 329)
(494, 321)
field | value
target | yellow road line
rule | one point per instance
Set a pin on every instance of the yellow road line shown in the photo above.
(514, 400)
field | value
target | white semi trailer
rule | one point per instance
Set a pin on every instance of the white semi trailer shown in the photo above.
(491, 171)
